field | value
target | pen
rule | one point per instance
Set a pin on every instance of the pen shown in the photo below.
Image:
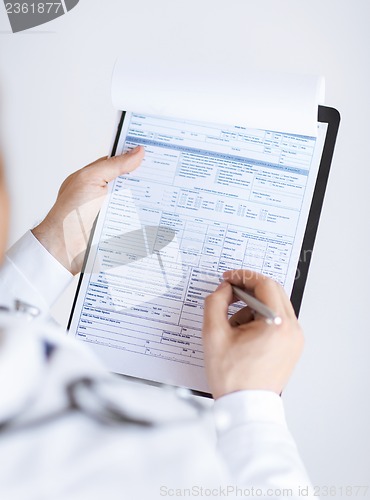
(255, 304)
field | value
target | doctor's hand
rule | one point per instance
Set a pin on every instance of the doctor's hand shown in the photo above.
(66, 229)
(243, 352)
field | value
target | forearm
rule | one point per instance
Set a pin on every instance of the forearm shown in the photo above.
(256, 444)
(31, 274)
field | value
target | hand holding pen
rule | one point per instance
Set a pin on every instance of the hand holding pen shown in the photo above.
(246, 352)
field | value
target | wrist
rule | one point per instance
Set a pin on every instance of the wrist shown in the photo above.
(247, 406)
(50, 235)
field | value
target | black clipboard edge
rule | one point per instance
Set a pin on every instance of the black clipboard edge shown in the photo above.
(331, 116)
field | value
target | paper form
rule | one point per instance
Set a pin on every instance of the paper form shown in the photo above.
(207, 198)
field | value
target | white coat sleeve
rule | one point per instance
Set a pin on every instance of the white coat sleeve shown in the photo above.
(31, 274)
(256, 445)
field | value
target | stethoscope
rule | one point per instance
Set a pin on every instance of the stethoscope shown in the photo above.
(85, 394)
(21, 308)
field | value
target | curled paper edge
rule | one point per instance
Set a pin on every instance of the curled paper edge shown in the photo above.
(263, 100)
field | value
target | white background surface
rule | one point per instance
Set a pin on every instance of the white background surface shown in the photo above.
(57, 116)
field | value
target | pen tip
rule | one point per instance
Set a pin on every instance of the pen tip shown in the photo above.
(277, 320)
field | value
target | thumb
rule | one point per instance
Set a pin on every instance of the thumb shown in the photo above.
(115, 166)
(216, 305)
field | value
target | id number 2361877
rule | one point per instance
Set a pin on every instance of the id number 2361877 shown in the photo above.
(33, 8)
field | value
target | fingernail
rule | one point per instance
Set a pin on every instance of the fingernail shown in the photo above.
(135, 149)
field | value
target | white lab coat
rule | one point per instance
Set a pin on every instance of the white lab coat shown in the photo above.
(242, 441)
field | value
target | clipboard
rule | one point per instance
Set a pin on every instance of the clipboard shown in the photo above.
(332, 117)
(83, 313)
